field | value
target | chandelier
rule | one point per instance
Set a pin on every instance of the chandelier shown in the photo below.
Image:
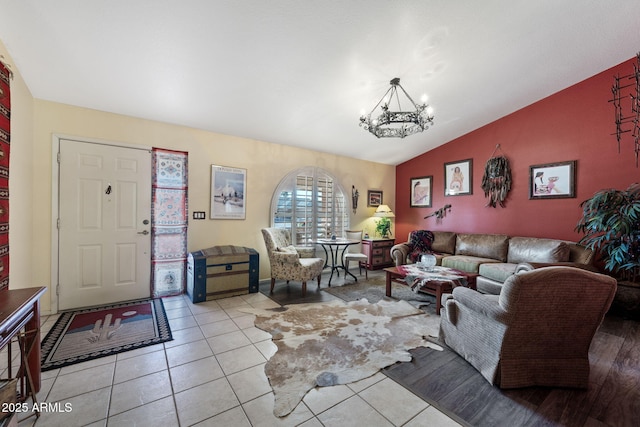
(397, 124)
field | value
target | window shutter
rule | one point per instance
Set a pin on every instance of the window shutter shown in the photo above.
(311, 204)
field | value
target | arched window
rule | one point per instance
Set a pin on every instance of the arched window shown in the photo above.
(311, 204)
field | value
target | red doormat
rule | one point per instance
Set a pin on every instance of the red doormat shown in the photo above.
(97, 332)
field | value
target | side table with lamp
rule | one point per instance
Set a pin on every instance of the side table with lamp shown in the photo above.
(378, 250)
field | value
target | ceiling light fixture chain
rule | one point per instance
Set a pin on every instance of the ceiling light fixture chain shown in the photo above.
(397, 124)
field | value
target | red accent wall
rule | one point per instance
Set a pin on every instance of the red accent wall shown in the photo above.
(574, 124)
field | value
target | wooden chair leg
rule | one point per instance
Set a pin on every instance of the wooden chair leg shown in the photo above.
(273, 283)
(318, 278)
(304, 288)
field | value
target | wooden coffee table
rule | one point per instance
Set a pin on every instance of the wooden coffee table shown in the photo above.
(432, 287)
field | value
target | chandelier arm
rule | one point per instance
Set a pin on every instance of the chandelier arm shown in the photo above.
(379, 102)
(407, 95)
(395, 92)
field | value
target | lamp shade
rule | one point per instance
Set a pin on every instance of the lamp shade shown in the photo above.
(384, 211)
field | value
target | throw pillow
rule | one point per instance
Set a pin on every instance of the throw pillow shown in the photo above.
(420, 243)
(288, 249)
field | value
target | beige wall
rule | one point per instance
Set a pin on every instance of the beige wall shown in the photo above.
(36, 121)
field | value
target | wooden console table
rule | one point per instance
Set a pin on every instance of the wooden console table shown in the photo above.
(20, 320)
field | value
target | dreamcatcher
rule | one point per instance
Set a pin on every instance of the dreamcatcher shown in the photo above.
(496, 181)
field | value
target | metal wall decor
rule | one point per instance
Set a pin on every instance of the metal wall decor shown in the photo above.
(355, 194)
(440, 213)
(626, 93)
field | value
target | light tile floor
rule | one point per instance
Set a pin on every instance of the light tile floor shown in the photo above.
(212, 374)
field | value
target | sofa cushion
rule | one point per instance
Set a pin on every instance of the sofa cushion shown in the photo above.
(498, 271)
(531, 249)
(444, 242)
(469, 264)
(492, 246)
(488, 286)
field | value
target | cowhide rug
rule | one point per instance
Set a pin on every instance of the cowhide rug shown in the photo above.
(337, 342)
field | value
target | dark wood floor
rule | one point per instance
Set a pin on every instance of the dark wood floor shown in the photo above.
(452, 385)
(612, 399)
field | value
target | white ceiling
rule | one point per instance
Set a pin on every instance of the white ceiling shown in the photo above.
(299, 72)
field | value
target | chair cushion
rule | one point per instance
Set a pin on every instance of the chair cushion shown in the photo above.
(498, 271)
(288, 249)
(469, 264)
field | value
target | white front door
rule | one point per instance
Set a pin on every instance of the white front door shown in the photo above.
(104, 224)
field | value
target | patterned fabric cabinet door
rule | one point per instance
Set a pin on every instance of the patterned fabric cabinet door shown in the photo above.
(222, 271)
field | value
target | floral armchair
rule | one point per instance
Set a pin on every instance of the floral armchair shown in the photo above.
(287, 262)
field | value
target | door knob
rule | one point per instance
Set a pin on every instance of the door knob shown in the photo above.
(145, 232)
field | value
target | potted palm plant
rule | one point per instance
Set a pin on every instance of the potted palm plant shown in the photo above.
(611, 226)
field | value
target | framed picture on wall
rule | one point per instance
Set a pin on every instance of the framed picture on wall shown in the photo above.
(458, 178)
(552, 180)
(421, 189)
(374, 198)
(228, 192)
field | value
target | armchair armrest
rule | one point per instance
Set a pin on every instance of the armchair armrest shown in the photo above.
(528, 266)
(400, 252)
(486, 305)
(285, 257)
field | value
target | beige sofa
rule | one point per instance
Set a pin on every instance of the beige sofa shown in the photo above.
(496, 257)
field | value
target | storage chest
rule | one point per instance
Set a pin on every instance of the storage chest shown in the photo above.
(222, 271)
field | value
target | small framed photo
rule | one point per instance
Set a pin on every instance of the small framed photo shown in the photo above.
(228, 192)
(553, 180)
(458, 178)
(421, 189)
(374, 198)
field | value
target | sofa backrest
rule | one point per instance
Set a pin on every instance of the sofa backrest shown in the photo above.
(580, 254)
(492, 246)
(532, 249)
(444, 242)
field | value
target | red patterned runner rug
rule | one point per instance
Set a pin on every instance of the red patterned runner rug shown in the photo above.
(5, 139)
(92, 333)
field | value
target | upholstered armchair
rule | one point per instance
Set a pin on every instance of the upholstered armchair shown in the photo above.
(536, 332)
(286, 262)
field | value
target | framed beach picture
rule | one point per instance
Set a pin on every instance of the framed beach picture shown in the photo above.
(228, 192)
(458, 178)
(421, 189)
(552, 180)
(374, 198)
